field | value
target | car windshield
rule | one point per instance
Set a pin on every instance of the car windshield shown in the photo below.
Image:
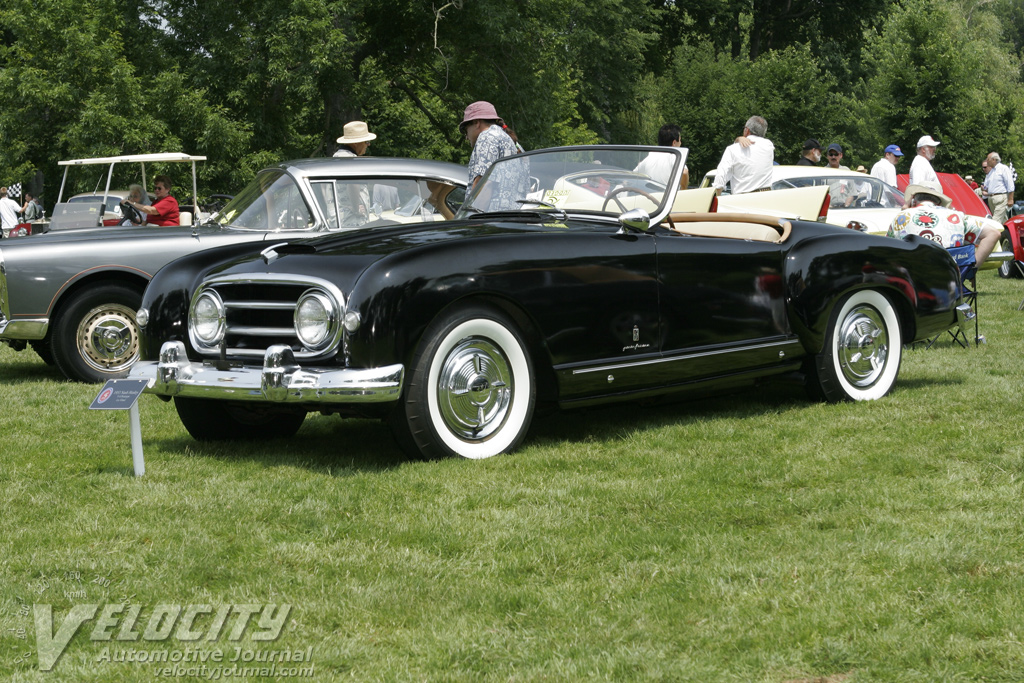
(271, 202)
(597, 179)
(855, 191)
(113, 207)
(275, 202)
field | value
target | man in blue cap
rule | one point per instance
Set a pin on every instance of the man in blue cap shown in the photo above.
(885, 168)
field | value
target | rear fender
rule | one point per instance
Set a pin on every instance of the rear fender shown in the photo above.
(820, 273)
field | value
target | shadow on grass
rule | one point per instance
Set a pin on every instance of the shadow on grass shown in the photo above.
(926, 383)
(611, 422)
(323, 443)
(347, 446)
(27, 367)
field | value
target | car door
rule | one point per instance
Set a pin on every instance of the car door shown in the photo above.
(595, 297)
(723, 307)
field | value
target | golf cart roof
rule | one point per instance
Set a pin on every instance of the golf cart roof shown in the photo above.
(133, 158)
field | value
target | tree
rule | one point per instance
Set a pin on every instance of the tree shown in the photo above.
(711, 95)
(68, 91)
(929, 73)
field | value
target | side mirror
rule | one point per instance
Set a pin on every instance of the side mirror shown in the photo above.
(636, 220)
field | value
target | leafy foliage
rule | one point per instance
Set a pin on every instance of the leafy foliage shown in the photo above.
(252, 82)
(931, 73)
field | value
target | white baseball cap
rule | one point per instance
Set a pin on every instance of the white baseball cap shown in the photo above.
(928, 141)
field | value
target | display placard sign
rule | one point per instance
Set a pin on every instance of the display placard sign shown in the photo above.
(119, 394)
(123, 394)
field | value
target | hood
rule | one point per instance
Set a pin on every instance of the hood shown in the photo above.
(353, 251)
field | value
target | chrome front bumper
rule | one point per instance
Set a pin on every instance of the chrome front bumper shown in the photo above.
(280, 380)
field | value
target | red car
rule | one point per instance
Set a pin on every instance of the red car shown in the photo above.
(1013, 236)
(957, 189)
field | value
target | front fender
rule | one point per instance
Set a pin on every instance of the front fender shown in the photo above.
(918, 276)
(398, 296)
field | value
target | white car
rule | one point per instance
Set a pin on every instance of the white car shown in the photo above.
(856, 199)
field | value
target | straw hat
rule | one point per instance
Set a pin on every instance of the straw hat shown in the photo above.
(356, 131)
(930, 191)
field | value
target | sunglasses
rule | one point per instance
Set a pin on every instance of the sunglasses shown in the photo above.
(833, 154)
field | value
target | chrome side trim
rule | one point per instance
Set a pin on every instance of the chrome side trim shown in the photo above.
(279, 380)
(687, 356)
(24, 329)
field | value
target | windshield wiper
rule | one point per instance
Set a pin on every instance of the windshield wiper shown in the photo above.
(541, 202)
(555, 211)
(527, 214)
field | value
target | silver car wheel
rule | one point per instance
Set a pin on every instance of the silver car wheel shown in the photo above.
(864, 351)
(475, 389)
(863, 346)
(470, 388)
(108, 338)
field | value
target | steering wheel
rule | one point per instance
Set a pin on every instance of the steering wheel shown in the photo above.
(626, 188)
(130, 213)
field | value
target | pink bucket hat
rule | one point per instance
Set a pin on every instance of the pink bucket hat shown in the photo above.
(480, 111)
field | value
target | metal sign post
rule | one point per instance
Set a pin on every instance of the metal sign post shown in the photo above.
(123, 394)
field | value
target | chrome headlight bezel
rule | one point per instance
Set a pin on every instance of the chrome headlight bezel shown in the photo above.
(214, 337)
(317, 308)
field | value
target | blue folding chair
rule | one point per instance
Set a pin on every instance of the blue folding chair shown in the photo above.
(968, 265)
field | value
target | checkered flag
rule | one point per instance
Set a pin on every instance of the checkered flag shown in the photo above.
(14, 190)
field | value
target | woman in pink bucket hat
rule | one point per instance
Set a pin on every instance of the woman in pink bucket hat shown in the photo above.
(485, 130)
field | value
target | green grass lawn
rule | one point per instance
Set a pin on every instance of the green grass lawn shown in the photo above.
(753, 537)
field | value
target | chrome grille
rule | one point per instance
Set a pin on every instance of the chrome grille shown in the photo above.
(259, 312)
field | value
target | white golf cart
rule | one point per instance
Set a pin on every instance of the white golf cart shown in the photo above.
(100, 208)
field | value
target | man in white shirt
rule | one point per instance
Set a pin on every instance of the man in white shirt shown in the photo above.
(658, 166)
(885, 168)
(747, 164)
(8, 213)
(998, 188)
(921, 171)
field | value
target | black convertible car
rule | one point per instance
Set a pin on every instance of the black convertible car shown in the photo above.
(566, 278)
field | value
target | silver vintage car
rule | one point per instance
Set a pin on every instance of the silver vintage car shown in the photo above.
(72, 295)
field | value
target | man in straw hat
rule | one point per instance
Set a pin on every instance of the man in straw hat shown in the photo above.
(929, 215)
(355, 140)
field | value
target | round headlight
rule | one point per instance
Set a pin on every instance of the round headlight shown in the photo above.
(315, 319)
(142, 317)
(206, 320)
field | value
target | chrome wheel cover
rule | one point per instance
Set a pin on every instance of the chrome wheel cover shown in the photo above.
(474, 390)
(863, 346)
(107, 338)
(1004, 266)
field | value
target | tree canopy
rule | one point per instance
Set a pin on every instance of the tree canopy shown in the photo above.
(252, 82)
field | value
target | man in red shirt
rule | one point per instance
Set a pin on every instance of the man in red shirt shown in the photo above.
(164, 211)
